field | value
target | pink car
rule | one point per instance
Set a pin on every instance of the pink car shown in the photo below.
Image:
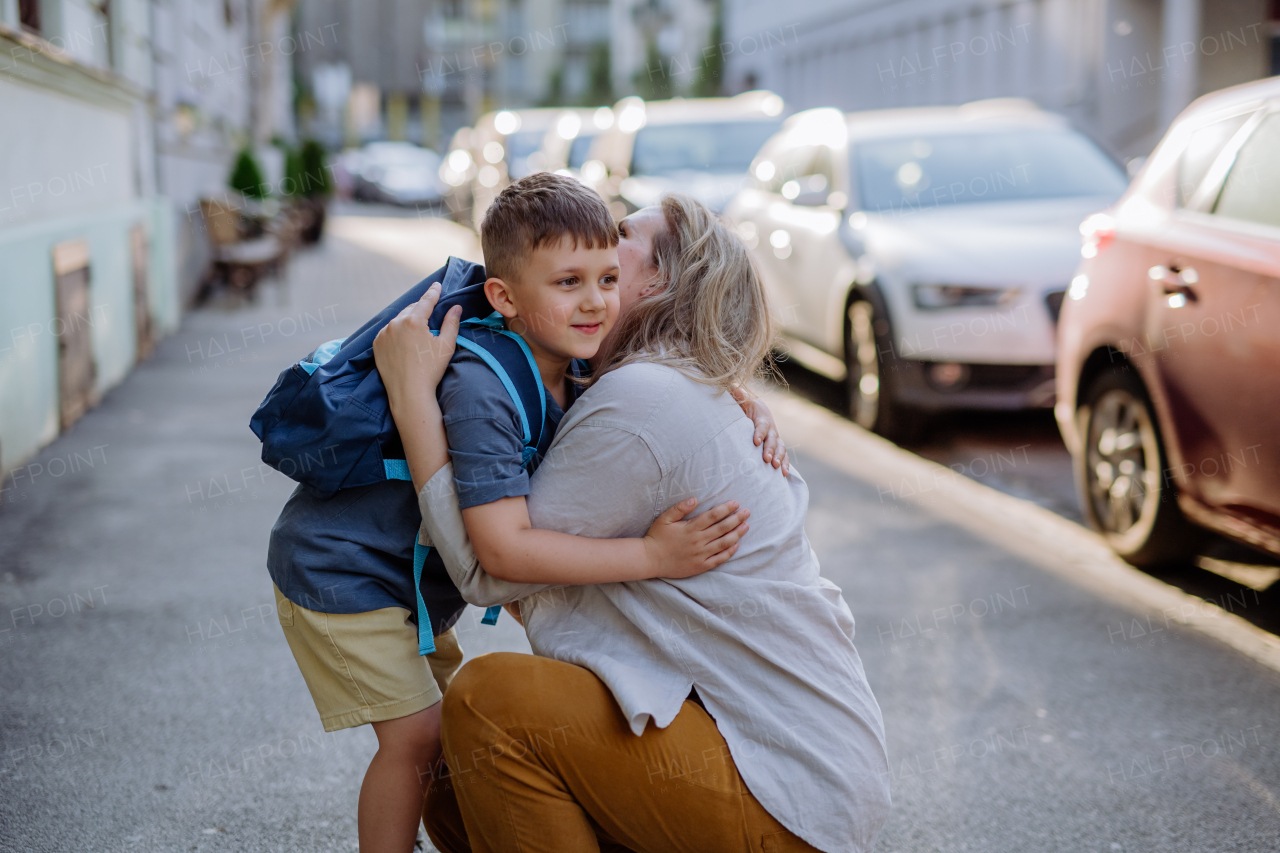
(1168, 372)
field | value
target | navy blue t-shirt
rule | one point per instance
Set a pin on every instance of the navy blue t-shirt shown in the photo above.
(341, 555)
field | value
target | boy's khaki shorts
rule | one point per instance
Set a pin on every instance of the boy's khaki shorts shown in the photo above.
(365, 667)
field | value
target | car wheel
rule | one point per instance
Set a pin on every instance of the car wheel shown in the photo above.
(871, 377)
(1119, 470)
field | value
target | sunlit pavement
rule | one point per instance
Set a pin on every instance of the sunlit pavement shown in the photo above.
(150, 702)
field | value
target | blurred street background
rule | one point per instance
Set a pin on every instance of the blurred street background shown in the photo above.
(1028, 294)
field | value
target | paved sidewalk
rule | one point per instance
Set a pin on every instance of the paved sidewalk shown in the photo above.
(149, 701)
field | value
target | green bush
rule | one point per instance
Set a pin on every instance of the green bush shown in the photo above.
(246, 176)
(314, 180)
(599, 79)
(292, 184)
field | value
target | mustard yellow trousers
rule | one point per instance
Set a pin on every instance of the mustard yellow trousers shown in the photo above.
(539, 758)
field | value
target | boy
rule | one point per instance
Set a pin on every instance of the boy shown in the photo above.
(551, 249)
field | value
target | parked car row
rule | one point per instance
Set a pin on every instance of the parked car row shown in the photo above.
(631, 153)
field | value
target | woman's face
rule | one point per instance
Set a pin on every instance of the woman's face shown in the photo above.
(635, 254)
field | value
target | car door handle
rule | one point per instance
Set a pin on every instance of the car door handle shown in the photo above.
(1175, 279)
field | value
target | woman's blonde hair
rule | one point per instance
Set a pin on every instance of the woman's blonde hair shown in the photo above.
(708, 316)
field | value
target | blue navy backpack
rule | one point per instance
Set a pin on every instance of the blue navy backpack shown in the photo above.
(327, 424)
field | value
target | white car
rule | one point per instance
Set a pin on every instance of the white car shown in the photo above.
(921, 255)
(483, 160)
(700, 146)
(398, 172)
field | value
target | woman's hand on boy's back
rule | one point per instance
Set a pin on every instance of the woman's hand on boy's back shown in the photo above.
(680, 548)
(766, 433)
(410, 359)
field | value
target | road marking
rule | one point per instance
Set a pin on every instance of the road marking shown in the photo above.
(1040, 537)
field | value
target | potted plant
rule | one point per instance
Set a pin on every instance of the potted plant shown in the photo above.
(313, 185)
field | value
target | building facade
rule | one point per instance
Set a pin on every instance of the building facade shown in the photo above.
(114, 120)
(418, 70)
(660, 47)
(1121, 70)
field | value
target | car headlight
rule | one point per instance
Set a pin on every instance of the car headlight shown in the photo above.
(931, 297)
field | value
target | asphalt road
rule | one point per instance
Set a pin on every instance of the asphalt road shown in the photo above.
(1022, 454)
(149, 701)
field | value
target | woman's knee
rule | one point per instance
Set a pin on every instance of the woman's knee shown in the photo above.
(482, 686)
(509, 689)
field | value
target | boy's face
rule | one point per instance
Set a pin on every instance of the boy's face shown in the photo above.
(564, 299)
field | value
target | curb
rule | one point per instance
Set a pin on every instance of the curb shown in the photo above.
(1042, 538)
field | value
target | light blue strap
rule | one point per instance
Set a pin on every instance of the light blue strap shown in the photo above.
(493, 321)
(426, 642)
(322, 355)
(396, 469)
(488, 359)
(533, 365)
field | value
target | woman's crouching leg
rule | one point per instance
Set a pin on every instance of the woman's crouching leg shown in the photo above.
(498, 728)
(541, 759)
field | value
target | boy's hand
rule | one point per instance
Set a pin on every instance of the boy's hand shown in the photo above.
(775, 451)
(410, 359)
(682, 549)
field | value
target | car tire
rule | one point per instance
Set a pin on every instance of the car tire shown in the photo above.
(1119, 474)
(871, 376)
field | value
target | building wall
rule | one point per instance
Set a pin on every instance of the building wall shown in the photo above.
(69, 169)
(204, 68)
(118, 116)
(680, 30)
(1103, 63)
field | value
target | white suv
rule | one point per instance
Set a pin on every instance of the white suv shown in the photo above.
(921, 255)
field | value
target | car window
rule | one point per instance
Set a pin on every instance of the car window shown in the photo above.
(909, 173)
(578, 150)
(519, 147)
(718, 147)
(1252, 189)
(1202, 149)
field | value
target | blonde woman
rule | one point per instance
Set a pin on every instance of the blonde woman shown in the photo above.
(723, 712)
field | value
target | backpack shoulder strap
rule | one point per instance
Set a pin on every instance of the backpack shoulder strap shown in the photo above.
(514, 365)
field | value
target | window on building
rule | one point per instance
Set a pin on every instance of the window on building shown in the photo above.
(29, 15)
(1273, 19)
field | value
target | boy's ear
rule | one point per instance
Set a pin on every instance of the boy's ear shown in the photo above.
(499, 294)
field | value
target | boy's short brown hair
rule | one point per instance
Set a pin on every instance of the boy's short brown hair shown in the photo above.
(539, 209)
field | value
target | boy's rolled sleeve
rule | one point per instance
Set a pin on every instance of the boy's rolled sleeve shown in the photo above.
(485, 467)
